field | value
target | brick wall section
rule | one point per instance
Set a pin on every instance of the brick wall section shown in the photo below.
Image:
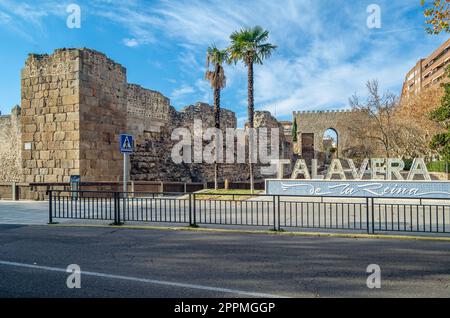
(152, 160)
(10, 155)
(317, 122)
(148, 111)
(50, 116)
(74, 108)
(102, 115)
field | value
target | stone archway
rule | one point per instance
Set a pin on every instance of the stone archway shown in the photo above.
(314, 124)
(330, 145)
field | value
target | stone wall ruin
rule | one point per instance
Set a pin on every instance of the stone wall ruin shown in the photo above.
(74, 105)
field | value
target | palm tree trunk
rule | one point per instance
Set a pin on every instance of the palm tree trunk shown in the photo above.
(217, 126)
(251, 110)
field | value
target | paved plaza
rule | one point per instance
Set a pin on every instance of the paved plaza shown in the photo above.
(24, 212)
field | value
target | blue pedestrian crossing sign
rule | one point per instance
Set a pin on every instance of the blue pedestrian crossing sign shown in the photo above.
(126, 143)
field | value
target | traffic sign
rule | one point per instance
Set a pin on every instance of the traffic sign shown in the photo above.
(126, 143)
(75, 179)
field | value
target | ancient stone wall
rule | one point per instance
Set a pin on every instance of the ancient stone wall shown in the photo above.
(73, 109)
(153, 161)
(10, 154)
(50, 116)
(148, 111)
(318, 122)
(103, 116)
(76, 102)
(205, 113)
(265, 119)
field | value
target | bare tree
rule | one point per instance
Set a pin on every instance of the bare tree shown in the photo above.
(377, 129)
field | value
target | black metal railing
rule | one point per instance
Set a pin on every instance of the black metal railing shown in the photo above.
(272, 211)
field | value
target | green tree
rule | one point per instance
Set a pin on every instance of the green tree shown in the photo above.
(294, 130)
(216, 77)
(441, 142)
(250, 46)
(437, 13)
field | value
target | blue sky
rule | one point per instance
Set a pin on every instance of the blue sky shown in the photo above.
(326, 51)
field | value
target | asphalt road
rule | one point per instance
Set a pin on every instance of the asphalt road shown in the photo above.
(162, 263)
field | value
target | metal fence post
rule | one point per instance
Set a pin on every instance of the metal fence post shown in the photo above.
(194, 212)
(190, 210)
(278, 207)
(367, 215)
(373, 217)
(119, 222)
(274, 213)
(50, 207)
(14, 195)
(117, 208)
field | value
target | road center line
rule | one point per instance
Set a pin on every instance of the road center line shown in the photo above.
(145, 280)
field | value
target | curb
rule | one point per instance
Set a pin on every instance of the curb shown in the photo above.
(263, 232)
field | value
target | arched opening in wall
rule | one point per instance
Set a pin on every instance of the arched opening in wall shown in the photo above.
(330, 142)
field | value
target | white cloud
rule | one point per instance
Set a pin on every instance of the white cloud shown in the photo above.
(180, 93)
(21, 17)
(326, 52)
(205, 90)
(130, 42)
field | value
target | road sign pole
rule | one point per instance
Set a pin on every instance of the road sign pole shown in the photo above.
(125, 173)
(126, 147)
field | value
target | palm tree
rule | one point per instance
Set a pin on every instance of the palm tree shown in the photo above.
(218, 80)
(249, 46)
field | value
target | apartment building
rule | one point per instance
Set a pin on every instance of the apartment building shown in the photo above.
(428, 72)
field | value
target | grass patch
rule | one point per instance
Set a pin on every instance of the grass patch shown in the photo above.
(437, 166)
(222, 194)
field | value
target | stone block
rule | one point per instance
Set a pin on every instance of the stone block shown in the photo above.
(26, 155)
(73, 116)
(50, 178)
(72, 154)
(30, 128)
(60, 117)
(73, 135)
(66, 145)
(27, 137)
(67, 126)
(45, 155)
(70, 100)
(49, 118)
(60, 154)
(67, 164)
(59, 136)
(49, 163)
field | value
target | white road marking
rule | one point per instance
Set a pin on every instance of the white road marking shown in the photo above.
(148, 281)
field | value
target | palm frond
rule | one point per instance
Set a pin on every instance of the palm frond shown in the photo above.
(216, 58)
(248, 45)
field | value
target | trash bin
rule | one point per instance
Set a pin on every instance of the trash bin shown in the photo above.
(75, 186)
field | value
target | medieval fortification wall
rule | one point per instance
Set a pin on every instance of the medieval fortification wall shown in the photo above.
(74, 105)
